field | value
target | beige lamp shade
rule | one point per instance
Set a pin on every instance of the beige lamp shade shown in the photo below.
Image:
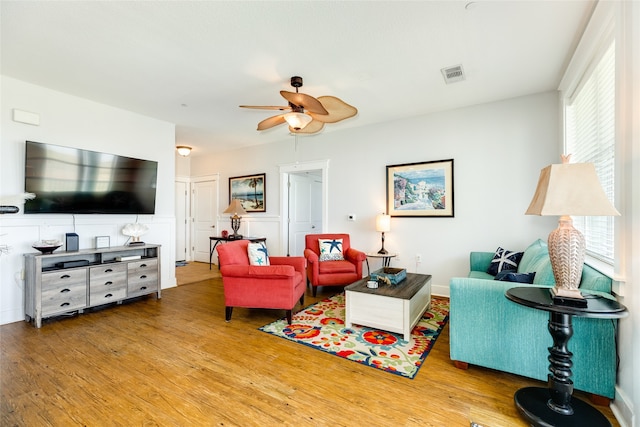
(235, 208)
(570, 189)
(383, 223)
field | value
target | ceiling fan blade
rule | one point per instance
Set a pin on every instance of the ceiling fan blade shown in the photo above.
(267, 107)
(309, 103)
(313, 127)
(271, 122)
(337, 110)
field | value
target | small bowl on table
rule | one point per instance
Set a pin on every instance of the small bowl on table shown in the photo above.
(47, 246)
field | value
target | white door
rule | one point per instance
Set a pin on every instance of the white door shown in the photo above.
(204, 199)
(182, 227)
(305, 208)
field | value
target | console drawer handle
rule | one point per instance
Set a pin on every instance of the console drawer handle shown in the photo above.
(65, 276)
(65, 290)
(144, 276)
(108, 295)
(143, 265)
(108, 283)
(108, 270)
(64, 304)
(143, 288)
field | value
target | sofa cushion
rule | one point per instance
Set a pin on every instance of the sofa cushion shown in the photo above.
(257, 253)
(510, 276)
(504, 260)
(330, 249)
(536, 260)
(480, 275)
(531, 255)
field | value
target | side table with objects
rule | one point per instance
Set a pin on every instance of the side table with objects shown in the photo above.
(230, 238)
(386, 259)
(555, 405)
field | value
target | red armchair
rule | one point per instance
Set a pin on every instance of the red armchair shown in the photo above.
(332, 273)
(278, 286)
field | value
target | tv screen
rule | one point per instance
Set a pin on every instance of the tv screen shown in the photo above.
(75, 181)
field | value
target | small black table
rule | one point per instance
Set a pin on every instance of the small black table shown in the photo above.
(554, 405)
(218, 239)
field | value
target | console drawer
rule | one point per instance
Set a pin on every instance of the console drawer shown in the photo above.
(63, 297)
(107, 283)
(66, 277)
(142, 277)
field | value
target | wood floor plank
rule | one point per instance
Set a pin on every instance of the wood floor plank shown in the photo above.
(175, 361)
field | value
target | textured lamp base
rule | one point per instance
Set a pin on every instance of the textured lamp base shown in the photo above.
(566, 252)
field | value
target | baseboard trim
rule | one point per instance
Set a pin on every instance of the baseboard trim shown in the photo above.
(623, 409)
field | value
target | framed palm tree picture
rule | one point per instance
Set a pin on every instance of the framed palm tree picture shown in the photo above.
(250, 190)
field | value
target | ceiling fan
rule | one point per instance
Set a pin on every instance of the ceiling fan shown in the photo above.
(306, 114)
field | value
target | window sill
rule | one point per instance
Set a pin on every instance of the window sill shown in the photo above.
(609, 271)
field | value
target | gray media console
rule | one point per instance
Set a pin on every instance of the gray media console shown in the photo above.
(65, 282)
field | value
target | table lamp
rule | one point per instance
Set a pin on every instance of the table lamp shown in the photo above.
(235, 208)
(569, 189)
(383, 223)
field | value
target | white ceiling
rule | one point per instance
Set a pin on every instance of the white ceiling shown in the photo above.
(193, 63)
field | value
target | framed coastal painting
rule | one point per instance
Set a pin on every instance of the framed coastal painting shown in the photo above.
(250, 190)
(420, 189)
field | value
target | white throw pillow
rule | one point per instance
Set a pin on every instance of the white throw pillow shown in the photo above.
(258, 254)
(330, 249)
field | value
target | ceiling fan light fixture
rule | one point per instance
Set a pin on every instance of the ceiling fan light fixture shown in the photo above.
(298, 121)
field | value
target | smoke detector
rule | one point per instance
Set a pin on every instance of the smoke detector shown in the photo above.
(453, 74)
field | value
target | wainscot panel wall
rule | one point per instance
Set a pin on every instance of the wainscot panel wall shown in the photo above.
(76, 122)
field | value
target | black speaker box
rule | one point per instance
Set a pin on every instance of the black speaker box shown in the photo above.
(72, 242)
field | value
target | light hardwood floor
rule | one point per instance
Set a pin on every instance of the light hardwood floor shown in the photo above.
(176, 362)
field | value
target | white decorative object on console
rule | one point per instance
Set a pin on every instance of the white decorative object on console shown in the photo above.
(135, 231)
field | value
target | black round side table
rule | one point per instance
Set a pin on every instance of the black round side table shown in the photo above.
(554, 405)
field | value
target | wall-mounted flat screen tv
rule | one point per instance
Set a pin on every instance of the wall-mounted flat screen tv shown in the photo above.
(74, 181)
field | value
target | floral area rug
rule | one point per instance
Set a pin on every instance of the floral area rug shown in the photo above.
(321, 326)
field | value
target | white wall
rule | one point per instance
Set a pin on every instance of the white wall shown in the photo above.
(627, 403)
(498, 151)
(75, 122)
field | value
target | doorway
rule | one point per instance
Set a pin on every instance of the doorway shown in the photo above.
(204, 208)
(304, 203)
(182, 220)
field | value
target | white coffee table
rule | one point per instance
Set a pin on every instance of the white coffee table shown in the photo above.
(393, 308)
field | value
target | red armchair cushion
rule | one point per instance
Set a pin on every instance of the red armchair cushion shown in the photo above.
(332, 267)
(279, 285)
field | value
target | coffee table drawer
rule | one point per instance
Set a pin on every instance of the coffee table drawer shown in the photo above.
(375, 311)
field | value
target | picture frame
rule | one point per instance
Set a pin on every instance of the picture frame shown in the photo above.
(103, 242)
(423, 189)
(251, 190)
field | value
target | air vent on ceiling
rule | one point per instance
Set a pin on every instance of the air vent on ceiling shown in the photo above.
(453, 74)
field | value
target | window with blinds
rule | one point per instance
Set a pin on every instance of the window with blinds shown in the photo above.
(590, 138)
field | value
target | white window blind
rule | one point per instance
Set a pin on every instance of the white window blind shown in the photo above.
(590, 138)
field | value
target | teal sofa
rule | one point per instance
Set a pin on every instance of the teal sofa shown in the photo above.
(487, 329)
